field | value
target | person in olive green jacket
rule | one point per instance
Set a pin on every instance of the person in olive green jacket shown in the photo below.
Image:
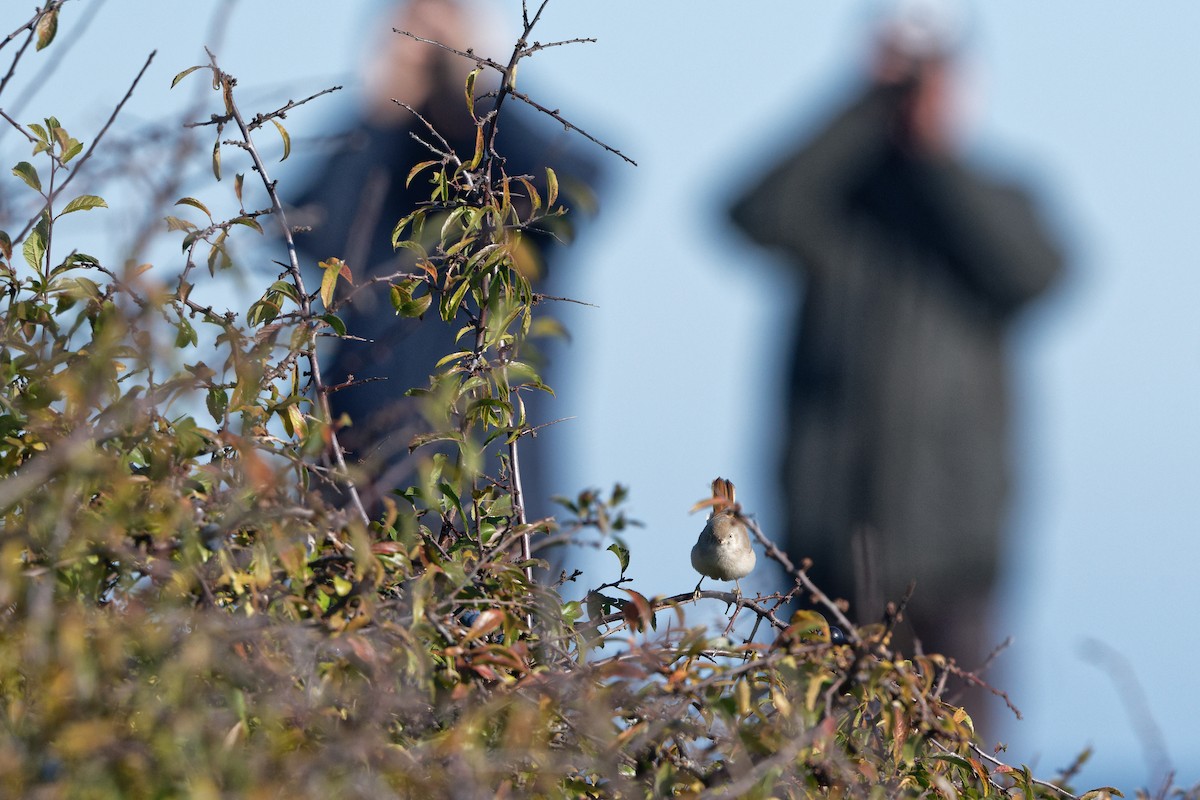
(914, 266)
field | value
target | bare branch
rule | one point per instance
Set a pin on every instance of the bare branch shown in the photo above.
(293, 268)
(536, 46)
(469, 53)
(91, 148)
(30, 26)
(61, 48)
(802, 578)
(282, 111)
(570, 125)
(20, 128)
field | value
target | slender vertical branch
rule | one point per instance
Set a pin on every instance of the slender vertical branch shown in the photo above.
(293, 268)
(518, 498)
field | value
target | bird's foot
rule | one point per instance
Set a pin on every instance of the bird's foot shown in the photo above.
(737, 596)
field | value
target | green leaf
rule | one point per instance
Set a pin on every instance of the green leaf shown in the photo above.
(287, 140)
(328, 283)
(194, 203)
(405, 304)
(448, 493)
(417, 306)
(479, 148)
(572, 612)
(184, 74)
(85, 202)
(217, 401)
(249, 222)
(5, 246)
(334, 268)
(294, 421)
(286, 289)
(263, 311)
(412, 173)
(35, 247)
(179, 224)
(622, 554)
(85, 289)
(534, 197)
(47, 27)
(551, 187)
(186, 334)
(74, 148)
(471, 76)
(450, 309)
(218, 255)
(25, 171)
(216, 159)
(336, 323)
(82, 259)
(423, 439)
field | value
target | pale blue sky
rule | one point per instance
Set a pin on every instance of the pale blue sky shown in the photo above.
(1094, 107)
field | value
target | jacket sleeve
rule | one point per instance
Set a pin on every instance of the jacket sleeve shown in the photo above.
(990, 233)
(802, 206)
(854, 168)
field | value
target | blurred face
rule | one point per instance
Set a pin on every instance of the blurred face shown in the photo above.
(402, 68)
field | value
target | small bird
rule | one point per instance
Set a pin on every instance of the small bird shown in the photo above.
(723, 550)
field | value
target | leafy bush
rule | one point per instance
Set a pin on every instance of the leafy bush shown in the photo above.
(196, 603)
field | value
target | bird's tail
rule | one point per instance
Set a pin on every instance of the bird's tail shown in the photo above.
(723, 494)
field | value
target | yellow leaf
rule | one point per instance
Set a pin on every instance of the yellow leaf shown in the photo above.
(743, 697)
(299, 424)
(815, 683)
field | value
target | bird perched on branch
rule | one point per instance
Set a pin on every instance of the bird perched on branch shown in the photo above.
(723, 550)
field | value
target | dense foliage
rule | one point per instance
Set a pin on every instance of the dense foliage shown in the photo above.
(193, 602)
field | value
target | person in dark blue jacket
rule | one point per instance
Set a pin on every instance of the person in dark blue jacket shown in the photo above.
(355, 198)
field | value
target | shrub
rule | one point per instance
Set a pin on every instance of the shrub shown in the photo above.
(196, 603)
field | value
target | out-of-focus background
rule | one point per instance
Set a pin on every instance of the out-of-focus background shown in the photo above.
(676, 377)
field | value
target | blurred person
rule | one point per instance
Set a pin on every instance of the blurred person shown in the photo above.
(355, 198)
(915, 265)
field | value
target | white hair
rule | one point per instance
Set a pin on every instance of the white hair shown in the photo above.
(925, 28)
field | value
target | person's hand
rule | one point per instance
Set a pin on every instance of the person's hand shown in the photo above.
(916, 61)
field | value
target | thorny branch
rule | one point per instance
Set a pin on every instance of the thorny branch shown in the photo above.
(293, 267)
(508, 72)
(92, 147)
(30, 26)
(802, 579)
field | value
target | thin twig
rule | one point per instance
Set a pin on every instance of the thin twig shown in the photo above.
(508, 87)
(570, 125)
(997, 762)
(31, 26)
(91, 148)
(32, 139)
(281, 112)
(78, 29)
(802, 578)
(536, 46)
(293, 268)
(974, 680)
(539, 297)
